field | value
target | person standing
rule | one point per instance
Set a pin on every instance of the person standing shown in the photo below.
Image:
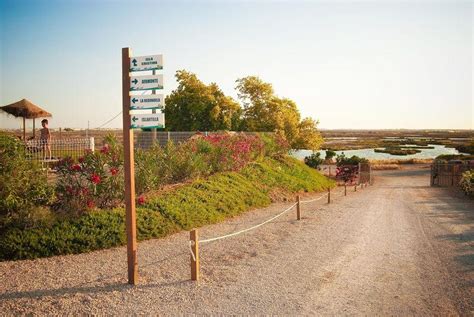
(45, 139)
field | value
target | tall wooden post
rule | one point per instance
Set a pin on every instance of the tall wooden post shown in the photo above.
(298, 208)
(194, 237)
(329, 195)
(129, 169)
(360, 176)
(34, 128)
(345, 189)
(24, 129)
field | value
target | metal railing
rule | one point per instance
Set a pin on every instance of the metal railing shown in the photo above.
(56, 149)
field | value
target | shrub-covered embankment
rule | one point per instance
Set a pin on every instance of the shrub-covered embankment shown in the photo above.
(202, 201)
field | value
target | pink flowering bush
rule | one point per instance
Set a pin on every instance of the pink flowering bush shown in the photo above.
(95, 180)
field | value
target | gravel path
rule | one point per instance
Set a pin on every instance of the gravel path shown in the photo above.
(396, 248)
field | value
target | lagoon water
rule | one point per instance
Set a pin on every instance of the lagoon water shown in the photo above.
(370, 154)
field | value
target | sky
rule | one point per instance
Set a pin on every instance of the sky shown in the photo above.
(349, 64)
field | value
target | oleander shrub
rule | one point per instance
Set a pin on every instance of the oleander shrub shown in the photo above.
(347, 168)
(94, 181)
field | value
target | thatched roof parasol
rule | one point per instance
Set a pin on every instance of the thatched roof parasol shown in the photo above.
(26, 110)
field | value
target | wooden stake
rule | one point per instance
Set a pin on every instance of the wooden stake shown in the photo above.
(329, 195)
(345, 189)
(298, 210)
(24, 129)
(194, 237)
(129, 169)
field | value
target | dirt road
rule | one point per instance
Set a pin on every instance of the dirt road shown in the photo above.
(399, 247)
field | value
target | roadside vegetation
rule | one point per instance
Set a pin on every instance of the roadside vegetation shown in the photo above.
(467, 183)
(180, 186)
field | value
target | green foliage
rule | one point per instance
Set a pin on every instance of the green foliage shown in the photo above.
(202, 202)
(449, 157)
(342, 160)
(469, 149)
(398, 151)
(195, 106)
(264, 111)
(330, 154)
(314, 160)
(23, 185)
(467, 182)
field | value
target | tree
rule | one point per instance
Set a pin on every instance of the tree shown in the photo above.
(195, 106)
(264, 111)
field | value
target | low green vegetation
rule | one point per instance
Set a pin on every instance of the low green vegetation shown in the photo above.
(201, 202)
(198, 182)
(398, 151)
(469, 149)
(450, 157)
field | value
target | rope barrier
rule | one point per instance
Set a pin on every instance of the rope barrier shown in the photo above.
(194, 236)
(313, 200)
(248, 229)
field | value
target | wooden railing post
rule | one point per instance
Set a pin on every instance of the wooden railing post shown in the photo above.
(194, 236)
(298, 208)
(329, 195)
(345, 189)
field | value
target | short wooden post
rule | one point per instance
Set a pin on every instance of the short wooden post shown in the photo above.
(194, 237)
(345, 189)
(355, 187)
(329, 195)
(298, 208)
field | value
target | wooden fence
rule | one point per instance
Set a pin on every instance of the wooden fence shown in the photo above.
(449, 174)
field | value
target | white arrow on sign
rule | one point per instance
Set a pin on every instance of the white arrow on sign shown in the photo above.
(146, 102)
(150, 82)
(151, 62)
(149, 120)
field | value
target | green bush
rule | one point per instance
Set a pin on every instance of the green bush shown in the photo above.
(330, 154)
(467, 182)
(201, 202)
(342, 160)
(314, 160)
(23, 185)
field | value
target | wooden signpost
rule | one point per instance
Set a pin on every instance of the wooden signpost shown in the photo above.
(133, 102)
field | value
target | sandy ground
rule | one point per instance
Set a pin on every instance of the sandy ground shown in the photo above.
(398, 247)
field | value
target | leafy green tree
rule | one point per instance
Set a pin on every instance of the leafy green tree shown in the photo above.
(264, 111)
(196, 106)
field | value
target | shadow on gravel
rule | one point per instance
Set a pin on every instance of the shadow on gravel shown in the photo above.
(452, 209)
(85, 290)
(82, 289)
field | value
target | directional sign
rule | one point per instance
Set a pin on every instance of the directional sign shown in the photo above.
(149, 120)
(150, 82)
(152, 62)
(146, 102)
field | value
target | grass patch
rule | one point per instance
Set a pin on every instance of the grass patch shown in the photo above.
(201, 202)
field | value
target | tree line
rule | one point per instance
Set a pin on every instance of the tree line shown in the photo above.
(195, 106)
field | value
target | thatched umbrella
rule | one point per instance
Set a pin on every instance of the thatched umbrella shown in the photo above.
(27, 110)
